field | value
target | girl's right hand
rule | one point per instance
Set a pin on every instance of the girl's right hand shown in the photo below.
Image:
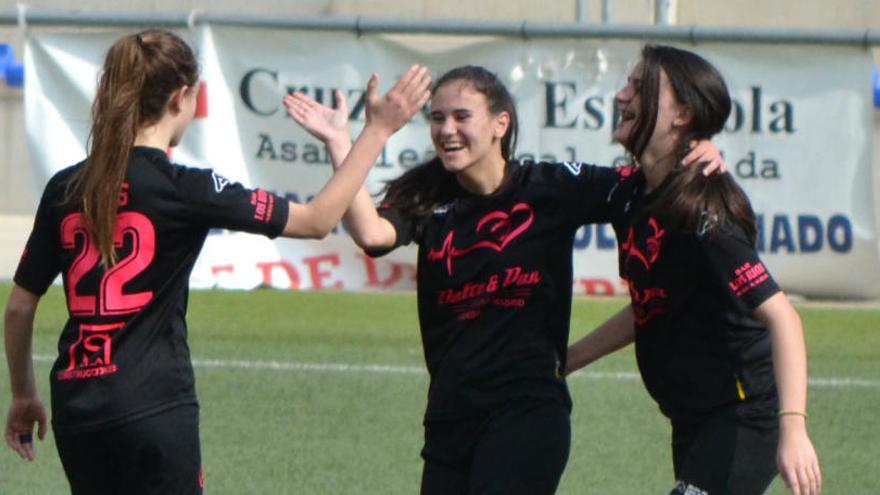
(392, 111)
(23, 413)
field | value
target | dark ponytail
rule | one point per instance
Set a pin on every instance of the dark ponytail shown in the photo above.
(140, 73)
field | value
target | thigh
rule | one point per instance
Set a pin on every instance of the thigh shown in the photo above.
(522, 450)
(159, 454)
(725, 455)
(89, 464)
(162, 454)
(447, 455)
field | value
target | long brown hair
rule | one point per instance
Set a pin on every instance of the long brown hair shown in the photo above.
(418, 191)
(686, 199)
(140, 73)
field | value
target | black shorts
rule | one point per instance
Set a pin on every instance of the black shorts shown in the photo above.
(521, 448)
(725, 453)
(159, 454)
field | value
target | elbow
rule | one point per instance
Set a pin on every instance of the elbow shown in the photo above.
(307, 223)
(370, 241)
(17, 313)
(322, 230)
(318, 231)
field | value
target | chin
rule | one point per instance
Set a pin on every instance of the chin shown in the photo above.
(452, 167)
(622, 139)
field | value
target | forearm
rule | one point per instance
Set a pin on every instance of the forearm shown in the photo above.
(318, 217)
(617, 332)
(789, 352)
(18, 336)
(362, 221)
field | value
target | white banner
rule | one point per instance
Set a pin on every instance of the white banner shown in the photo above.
(798, 140)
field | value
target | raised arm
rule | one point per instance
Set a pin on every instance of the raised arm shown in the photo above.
(385, 115)
(617, 332)
(366, 227)
(26, 407)
(795, 456)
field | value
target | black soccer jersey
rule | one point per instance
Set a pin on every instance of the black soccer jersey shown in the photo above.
(123, 353)
(697, 345)
(495, 283)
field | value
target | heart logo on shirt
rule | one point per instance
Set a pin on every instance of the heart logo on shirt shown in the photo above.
(504, 227)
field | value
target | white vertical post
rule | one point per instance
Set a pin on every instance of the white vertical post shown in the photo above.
(662, 12)
(606, 11)
(581, 11)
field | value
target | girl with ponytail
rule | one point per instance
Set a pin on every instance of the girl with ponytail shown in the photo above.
(124, 228)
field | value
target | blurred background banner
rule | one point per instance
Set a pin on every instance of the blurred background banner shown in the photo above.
(798, 140)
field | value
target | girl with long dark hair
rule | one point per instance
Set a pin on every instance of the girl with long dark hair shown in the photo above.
(495, 240)
(718, 345)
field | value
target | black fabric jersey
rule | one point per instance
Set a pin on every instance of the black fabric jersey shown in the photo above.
(697, 345)
(495, 283)
(123, 353)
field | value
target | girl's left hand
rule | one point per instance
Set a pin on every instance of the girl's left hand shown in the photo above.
(326, 124)
(796, 458)
(705, 153)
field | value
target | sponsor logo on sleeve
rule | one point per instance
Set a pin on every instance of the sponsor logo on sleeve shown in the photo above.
(747, 277)
(263, 203)
(220, 182)
(573, 167)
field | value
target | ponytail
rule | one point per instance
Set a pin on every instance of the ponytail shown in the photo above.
(140, 74)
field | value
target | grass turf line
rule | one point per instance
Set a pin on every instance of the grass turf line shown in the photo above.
(329, 433)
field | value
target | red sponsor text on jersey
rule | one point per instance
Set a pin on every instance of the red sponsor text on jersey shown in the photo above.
(509, 289)
(747, 277)
(91, 355)
(263, 203)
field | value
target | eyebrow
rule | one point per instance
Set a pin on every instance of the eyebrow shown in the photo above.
(453, 111)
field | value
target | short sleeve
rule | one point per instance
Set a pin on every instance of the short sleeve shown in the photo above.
(40, 260)
(216, 202)
(404, 229)
(735, 260)
(585, 190)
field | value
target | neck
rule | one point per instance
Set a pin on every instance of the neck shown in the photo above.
(483, 178)
(656, 168)
(154, 136)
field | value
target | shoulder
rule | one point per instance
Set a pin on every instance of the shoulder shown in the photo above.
(726, 235)
(57, 184)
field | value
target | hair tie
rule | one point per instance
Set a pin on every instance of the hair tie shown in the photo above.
(139, 39)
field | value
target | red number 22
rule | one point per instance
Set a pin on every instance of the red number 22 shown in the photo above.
(111, 300)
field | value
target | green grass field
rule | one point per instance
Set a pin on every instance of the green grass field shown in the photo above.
(323, 393)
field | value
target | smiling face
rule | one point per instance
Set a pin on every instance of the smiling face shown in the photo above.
(671, 117)
(628, 101)
(466, 135)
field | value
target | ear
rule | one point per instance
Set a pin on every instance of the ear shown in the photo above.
(176, 100)
(683, 117)
(501, 124)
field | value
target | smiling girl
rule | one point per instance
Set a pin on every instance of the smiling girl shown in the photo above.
(495, 240)
(718, 345)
